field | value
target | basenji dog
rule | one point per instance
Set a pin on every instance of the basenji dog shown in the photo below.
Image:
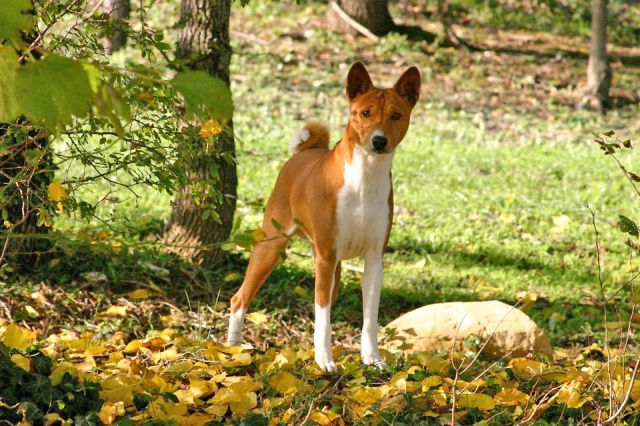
(341, 199)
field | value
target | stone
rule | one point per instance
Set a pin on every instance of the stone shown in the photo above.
(445, 326)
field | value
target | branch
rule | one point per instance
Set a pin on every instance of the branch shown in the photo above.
(349, 20)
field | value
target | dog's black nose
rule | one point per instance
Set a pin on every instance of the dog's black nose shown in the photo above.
(379, 142)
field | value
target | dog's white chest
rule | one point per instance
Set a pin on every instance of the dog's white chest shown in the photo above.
(363, 205)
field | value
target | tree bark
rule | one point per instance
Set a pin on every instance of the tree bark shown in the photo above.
(203, 43)
(596, 93)
(372, 14)
(118, 11)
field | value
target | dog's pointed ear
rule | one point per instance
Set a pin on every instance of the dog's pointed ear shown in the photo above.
(358, 81)
(408, 85)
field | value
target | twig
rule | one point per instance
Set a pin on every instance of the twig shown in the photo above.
(349, 20)
(627, 395)
(324, 394)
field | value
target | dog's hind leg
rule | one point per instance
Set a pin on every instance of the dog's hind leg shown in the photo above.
(263, 259)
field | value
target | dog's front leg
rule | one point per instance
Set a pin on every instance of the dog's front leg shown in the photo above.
(371, 287)
(325, 275)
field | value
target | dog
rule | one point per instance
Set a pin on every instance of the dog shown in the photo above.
(341, 199)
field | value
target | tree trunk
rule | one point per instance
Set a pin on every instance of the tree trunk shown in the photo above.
(596, 93)
(118, 11)
(203, 43)
(372, 14)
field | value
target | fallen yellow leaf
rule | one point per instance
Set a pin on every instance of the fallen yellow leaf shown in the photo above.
(139, 294)
(430, 382)
(16, 337)
(526, 368)
(285, 382)
(116, 311)
(475, 400)
(511, 397)
(570, 394)
(21, 361)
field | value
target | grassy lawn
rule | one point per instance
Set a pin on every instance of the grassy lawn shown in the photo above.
(491, 182)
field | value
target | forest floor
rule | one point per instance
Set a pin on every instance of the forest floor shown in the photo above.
(491, 186)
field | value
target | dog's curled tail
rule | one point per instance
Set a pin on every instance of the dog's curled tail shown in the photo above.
(312, 135)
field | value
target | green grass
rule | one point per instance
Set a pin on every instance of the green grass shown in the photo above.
(490, 183)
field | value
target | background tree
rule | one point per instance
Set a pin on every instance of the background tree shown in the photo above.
(117, 11)
(596, 93)
(371, 14)
(202, 214)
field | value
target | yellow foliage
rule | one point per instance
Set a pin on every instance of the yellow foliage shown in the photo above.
(210, 128)
(430, 382)
(109, 412)
(139, 294)
(116, 311)
(21, 361)
(212, 381)
(16, 337)
(570, 394)
(285, 383)
(326, 417)
(56, 191)
(511, 397)
(527, 368)
(475, 400)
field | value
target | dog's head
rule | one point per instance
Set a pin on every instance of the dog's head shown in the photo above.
(380, 117)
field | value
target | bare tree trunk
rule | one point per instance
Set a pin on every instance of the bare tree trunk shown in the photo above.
(203, 43)
(372, 14)
(596, 93)
(118, 11)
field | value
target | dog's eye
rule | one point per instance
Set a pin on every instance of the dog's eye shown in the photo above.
(366, 113)
(396, 116)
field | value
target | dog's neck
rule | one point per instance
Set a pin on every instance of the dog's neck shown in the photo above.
(364, 171)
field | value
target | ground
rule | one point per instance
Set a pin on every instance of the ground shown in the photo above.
(493, 184)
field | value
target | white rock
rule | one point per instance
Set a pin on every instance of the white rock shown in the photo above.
(509, 331)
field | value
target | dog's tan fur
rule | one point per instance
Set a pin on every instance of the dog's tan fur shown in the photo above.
(305, 197)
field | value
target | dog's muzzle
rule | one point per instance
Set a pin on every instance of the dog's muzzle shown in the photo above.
(379, 144)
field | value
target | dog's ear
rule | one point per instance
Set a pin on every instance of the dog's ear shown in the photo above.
(358, 81)
(408, 85)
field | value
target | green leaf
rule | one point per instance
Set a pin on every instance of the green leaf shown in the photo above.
(204, 96)
(8, 71)
(13, 19)
(53, 90)
(609, 133)
(628, 226)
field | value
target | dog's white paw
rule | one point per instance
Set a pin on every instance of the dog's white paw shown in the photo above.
(373, 358)
(325, 362)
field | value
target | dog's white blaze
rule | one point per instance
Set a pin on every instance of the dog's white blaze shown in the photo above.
(236, 321)
(363, 204)
(377, 132)
(362, 221)
(301, 136)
